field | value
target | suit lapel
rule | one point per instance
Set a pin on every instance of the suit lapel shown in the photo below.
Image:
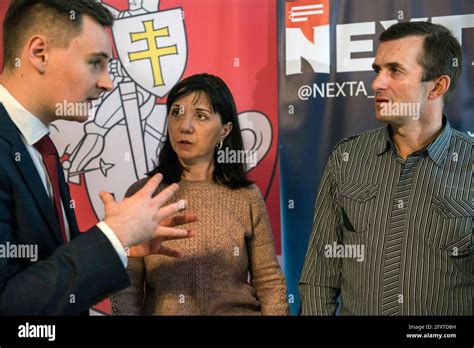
(29, 173)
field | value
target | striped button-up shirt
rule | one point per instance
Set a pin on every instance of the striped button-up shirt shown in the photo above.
(393, 236)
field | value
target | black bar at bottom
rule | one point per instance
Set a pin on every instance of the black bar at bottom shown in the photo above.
(226, 330)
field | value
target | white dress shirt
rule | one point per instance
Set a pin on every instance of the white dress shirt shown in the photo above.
(31, 131)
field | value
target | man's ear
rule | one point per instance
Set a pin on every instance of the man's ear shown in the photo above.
(441, 86)
(38, 50)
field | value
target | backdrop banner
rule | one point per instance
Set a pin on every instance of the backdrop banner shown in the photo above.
(325, 52)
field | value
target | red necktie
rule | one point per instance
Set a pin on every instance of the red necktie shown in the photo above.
(51, 160)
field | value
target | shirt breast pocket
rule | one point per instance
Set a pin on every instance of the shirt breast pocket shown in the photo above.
(358, 200)
(451, 225)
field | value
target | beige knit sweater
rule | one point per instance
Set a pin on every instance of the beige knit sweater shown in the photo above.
(229, 268)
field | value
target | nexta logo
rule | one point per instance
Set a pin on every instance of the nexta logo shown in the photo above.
(307, 37)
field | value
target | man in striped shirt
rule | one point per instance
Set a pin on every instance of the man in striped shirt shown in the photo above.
(392, 229)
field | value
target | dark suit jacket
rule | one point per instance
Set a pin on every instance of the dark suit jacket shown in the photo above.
(66, 278)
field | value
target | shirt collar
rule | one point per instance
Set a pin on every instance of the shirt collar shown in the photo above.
(31, 128)
(437, 150)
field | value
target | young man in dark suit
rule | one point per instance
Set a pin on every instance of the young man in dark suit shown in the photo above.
(57, 51)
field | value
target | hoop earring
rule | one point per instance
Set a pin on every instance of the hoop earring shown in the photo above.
(219, 145)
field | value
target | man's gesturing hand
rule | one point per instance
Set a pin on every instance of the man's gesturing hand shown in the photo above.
(137, 219)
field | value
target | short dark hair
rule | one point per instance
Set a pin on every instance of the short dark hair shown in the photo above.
(60, 20)
(442, 54)
(232, 175)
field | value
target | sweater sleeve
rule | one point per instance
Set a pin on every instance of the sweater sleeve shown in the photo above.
(266, 275)
(130, 300)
